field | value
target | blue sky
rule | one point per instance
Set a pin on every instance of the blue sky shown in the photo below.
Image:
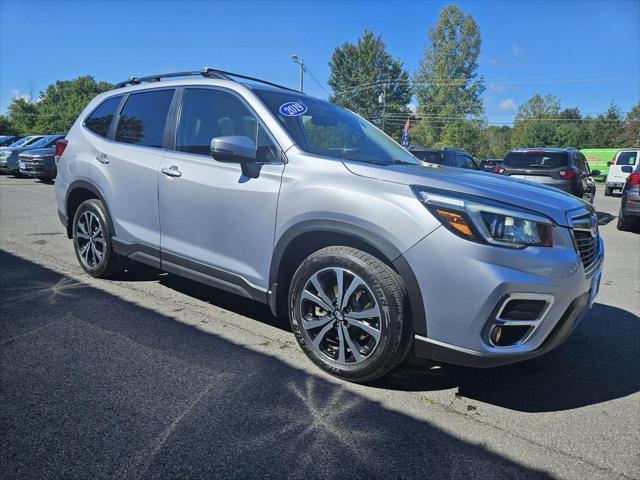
(585, 52)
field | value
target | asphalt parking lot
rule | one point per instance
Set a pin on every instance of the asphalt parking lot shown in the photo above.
(154, 376)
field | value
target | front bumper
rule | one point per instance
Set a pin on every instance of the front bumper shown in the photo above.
(472, 280)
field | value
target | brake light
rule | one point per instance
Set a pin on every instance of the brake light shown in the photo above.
(568, 174)
(498, 169)
(634, 178)
(60, 146)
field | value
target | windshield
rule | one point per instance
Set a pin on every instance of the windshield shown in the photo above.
(43, 142)
(535, 160)
(322, 128)
(21, 142)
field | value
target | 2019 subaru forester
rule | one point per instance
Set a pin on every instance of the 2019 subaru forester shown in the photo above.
(271, 194)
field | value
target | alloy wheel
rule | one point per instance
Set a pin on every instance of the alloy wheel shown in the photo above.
(340, 316)
(90, 239)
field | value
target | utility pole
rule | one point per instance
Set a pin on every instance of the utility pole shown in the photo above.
(299, 61)
(383, 100)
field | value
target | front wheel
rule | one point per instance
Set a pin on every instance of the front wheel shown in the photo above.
(348, 311)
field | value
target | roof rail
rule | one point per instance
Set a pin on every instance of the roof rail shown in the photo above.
(206, 72)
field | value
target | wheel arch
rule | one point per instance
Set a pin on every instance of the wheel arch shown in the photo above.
(78, 192)
(302, 239)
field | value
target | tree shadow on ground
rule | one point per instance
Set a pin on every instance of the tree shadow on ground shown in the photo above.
(94, 386)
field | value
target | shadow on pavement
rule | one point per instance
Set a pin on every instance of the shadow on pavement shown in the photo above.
(94, 386)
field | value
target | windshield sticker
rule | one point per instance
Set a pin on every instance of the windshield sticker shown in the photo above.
(292, 109)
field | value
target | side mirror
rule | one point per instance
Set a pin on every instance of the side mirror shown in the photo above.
(609, 164)
(627, 169)
(596, 173)
(236, 149)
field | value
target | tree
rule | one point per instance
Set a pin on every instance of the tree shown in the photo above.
(632, 127)
(367, 80)
(536, 122)
(607, 129)
(447, 86)
(495, 141)
(23, 115)
(62, 102)
(6, 128)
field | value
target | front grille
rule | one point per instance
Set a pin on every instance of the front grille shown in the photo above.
(587, 240)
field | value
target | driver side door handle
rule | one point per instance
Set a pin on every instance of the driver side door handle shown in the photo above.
(171, 171)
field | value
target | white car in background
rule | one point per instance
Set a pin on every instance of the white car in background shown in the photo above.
(617, 175)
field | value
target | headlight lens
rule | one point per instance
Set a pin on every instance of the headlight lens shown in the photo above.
(488, 222)
(4, 154)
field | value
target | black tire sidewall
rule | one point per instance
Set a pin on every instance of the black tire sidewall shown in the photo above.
(391, 344)
(95, 206)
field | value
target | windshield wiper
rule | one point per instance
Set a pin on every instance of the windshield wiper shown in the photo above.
(405, 162)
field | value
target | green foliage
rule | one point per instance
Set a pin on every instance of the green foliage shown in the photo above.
(61, 103)
(631, 135)
(495, 141)
(361, 73)
(23, 115)
(6, 127)
(447, 85)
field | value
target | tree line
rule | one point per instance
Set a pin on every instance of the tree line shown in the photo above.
(368, 80)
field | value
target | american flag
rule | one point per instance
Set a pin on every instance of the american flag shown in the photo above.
(406, 138)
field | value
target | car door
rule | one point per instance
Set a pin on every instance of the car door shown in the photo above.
(214, 220)
(125, 169)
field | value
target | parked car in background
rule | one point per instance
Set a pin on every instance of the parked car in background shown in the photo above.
(564, 168)
(450, 157)
(490, 163)
(617, 175)
(629, 215)
(7, 140)
(10, 156)
(372, 253)
(39, 163)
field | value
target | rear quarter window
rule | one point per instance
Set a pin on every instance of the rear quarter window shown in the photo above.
(431, 157)
(100, 119)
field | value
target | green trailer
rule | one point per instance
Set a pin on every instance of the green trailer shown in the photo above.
(598, 158)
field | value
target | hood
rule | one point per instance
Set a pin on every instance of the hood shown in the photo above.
(39, 152)
(531, 196)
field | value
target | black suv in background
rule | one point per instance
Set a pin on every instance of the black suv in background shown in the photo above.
(563, 168)
(451, 157)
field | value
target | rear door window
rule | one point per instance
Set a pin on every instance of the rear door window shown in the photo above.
(100, 120)
(531, 160)
(627, 158)
(143, 118)
(465, 161)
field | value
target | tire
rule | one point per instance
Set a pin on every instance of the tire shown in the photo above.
(380, 335)
(626, 224)
(90, 220)
(608, 191)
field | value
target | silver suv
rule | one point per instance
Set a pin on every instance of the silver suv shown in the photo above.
(279, 197)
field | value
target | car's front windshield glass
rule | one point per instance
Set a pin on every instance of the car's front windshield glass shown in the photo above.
(322, 128)
(20, 142)
(41, 143)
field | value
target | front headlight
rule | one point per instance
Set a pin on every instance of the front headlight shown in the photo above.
(5, 154)
(485, 221)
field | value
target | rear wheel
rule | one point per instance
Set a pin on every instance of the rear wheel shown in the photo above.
(608, 191)
(92, 240)
(348, 311)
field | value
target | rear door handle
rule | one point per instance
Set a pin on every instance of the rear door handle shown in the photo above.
(102, 158)
(171, 171)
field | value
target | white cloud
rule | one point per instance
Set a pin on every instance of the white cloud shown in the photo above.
(516, 51)
(19, 95)
(493, 61)
(507, 105)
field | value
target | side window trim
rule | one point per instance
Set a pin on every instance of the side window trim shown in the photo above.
(123, 102)
(172, 140)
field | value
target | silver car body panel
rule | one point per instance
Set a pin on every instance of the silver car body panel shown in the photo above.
(213, 217)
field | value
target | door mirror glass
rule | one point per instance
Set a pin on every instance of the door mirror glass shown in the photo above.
(596, 173)
(233, 149)
(609, 164)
